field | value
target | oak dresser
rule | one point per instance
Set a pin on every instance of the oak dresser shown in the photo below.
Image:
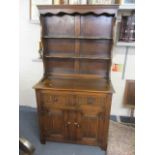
(74, 96)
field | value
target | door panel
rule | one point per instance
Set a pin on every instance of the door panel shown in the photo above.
(70, 117)
(89, 126)
(72, 125)
(89, 129)
(52, 121)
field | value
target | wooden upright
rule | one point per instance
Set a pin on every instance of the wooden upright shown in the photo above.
(74, 95)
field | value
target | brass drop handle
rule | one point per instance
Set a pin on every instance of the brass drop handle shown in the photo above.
(55, 99)
(76, 124)
(68, 123)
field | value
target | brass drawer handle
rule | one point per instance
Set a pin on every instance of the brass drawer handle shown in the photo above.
(55, 99)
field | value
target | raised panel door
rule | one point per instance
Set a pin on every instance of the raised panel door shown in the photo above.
(89, 129)
(52, 124)
(72, 121)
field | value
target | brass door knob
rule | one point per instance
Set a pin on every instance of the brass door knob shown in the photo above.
(76, 124)
(67, 124)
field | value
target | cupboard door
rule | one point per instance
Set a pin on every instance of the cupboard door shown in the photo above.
(52, 122)
(81, 128)
(72, 125)
(89, 129)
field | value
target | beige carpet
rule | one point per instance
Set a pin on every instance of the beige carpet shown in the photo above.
(121, 139)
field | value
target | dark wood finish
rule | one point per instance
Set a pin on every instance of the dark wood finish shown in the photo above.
(74, 95)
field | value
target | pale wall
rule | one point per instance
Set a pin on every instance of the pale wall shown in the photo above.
(31, 71)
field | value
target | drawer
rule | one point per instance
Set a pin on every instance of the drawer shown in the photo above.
(91, 100)
(91, 105)
(72, 101)
(59, 100)
(52, 98)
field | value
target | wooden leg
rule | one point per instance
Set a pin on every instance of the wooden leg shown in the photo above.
(103, 148)
(42, 140)
(106, 152)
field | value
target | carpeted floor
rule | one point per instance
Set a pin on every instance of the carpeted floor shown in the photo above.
(121, 138)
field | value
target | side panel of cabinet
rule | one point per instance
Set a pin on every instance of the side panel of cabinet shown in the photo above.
(38, 98)
(104, 123)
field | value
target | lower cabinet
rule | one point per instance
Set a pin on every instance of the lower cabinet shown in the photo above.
(75, 118)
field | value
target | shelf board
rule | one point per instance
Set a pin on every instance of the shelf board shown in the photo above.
(82, 85)
(76, 75)
(129, 44)
(127, 7)
(72, 56)
(74, 37)
(56, 55)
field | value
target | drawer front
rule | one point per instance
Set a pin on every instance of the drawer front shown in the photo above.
(89, 100)
(59, 100)
(72, 101)
(92, 105)
(54, 100)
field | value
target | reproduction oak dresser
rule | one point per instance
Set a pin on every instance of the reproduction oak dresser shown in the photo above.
(74, 95)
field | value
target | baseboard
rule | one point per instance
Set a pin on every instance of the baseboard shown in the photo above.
(123, 119)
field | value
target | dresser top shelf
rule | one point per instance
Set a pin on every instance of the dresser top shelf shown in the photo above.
(70, 84)
(77, 42)
(73, 56)
(78, 9)
(76, 37)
